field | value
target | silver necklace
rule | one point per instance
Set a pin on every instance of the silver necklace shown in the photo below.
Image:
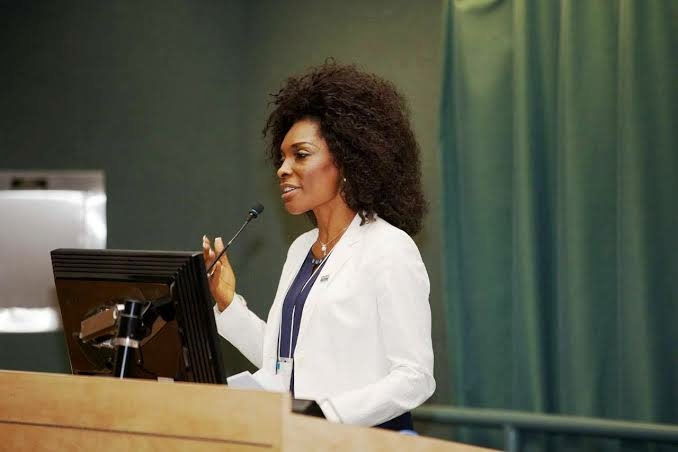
(323, 246)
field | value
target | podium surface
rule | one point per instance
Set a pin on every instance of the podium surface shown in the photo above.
(64, 412)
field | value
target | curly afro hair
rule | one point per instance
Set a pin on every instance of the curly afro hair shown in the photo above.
(364, 120)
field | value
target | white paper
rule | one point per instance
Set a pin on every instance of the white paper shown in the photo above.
(260, 380)
(270, 381)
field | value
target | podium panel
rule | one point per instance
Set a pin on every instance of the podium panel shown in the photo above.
(303, 433)
(35, 438)
(99, 410)
(66, 412)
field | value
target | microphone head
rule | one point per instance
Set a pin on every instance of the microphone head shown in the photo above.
(256, 210)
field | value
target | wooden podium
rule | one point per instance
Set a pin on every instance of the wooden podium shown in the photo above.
(64, 412)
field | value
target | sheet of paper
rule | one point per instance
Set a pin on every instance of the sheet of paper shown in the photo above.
(260, 380)
(243, 380)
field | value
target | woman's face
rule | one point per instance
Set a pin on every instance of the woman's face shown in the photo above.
(309, 179)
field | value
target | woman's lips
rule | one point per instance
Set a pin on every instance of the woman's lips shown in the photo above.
(288, 192)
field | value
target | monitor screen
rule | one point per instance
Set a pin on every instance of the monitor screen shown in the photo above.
(174, 336)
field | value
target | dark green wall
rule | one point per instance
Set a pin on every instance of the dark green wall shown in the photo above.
(169, 99)
(148, 91)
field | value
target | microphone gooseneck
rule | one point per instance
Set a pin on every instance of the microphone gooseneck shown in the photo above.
(253, 213)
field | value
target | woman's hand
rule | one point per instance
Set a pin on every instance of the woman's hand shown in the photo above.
(222, 279)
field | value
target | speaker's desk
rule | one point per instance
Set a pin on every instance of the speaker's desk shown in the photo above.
(64, 412)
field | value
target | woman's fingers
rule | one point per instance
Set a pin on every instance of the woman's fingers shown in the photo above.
(221, 280)
(218, 245)
(213, 280)
(218, 248)
(206, 249)
(208, 256)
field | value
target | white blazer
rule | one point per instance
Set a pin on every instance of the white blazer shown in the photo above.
(364, 345)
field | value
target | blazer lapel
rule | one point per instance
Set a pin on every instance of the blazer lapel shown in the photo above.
(341, 254)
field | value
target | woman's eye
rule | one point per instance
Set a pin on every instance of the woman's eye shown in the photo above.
(302, 155)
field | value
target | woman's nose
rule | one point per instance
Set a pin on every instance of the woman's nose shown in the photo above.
(284, 169)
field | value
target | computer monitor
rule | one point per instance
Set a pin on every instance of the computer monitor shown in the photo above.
(166, 293)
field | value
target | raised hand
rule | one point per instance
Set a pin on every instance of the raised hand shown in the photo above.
(221, 279)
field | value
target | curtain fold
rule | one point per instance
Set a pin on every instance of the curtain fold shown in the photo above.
(559, 138)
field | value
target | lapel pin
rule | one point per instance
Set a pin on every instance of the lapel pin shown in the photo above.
(324, 278)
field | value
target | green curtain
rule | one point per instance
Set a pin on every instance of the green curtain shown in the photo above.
(559, 138)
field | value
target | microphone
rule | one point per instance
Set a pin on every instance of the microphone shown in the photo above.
(253, 213)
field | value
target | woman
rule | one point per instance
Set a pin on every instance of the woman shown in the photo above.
(350, 326)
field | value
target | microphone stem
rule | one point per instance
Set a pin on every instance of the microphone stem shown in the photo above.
(209, 270)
